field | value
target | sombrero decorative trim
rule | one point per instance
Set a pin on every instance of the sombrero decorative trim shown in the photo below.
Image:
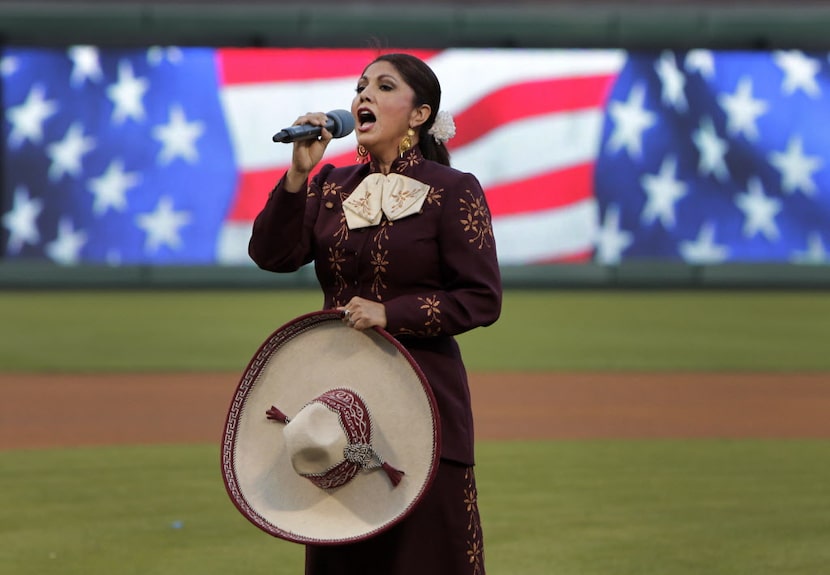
(357, 454)
(332, 435)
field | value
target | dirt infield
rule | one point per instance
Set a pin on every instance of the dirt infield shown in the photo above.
(39, 411)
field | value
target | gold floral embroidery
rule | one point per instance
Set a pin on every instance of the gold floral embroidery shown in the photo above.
(434, 196)
(474, 554)
(409, 160)
(336, 260)
(383, 232)
(476, 220)
(432, 307)
(475, 544)
(362, 204)
(399, 199)
(432, 325)
(379, 263)
(337, 255)
(330, 189)
(342, 233)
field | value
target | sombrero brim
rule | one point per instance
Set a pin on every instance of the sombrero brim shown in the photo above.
(299, 361)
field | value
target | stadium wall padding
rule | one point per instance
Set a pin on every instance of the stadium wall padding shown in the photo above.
(640, 275)
(306, 24)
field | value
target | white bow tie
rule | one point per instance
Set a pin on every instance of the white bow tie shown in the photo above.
(395, 195)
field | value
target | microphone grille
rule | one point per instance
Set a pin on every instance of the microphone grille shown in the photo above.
(343, 123)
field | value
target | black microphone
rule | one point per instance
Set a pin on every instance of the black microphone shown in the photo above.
(340, 123)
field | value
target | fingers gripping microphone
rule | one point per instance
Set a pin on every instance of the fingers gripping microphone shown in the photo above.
(340, 123)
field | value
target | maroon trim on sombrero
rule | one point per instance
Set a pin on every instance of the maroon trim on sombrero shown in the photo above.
(249, 378)
(359, 454)
(357, 423)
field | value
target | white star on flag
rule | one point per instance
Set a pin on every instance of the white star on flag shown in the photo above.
(27, 118)
(158, 54)
(110, 188)
(702, 62)
(673, 82)
(66, 154)
(759, 210)
(8, 65)
(796, 169)
(815, 252)
(663, 190)
(611, 241)
(712, 150)
(799, 73)
(66, 248)
(126, 94)
(631, 119)
(86, 65)
(162, 225)
(742, 110)
(20, 220)
(178, 137)
(703, 250)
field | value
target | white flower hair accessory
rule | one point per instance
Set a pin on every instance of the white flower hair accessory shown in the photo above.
(443, 128)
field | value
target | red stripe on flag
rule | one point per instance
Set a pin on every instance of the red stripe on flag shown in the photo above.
(254, 187)
(579, 257)
(529, 99)
(251, 194)
(247, 66)
(544, 192)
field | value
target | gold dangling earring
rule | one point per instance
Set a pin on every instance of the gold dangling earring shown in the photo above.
(406, 143)
(362, 154)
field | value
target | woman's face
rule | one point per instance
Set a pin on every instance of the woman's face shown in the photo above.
(383, 109)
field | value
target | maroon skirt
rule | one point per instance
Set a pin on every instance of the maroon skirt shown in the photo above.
(441, 536)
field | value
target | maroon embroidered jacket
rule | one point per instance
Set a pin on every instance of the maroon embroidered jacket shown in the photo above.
(435, 271)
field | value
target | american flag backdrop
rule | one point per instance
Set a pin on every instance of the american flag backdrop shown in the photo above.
(164, 156)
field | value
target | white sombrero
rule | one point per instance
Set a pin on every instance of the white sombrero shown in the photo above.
(332, 435)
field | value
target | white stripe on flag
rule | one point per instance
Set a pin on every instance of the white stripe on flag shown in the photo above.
(546, 235)
(467, 75)
(255, 112)
(232, 244)
(528, 148)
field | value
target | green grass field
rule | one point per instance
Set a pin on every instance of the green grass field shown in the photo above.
(703, 507)
(569, 330)
(565, 508)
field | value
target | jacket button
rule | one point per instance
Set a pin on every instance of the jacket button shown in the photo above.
(329, 205)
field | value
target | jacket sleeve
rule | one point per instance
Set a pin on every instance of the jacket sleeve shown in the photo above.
(281, 238)
(471, 293)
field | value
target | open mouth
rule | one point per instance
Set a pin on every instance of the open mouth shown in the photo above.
(365, 119)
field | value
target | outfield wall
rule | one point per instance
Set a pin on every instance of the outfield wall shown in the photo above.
(34, 276)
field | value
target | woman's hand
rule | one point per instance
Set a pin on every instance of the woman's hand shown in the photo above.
(363, 314)
(307, 153)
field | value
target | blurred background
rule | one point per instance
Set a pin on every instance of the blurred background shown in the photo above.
(677, 148)
(640, 143)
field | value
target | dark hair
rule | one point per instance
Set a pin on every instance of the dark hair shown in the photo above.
(423, 81)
